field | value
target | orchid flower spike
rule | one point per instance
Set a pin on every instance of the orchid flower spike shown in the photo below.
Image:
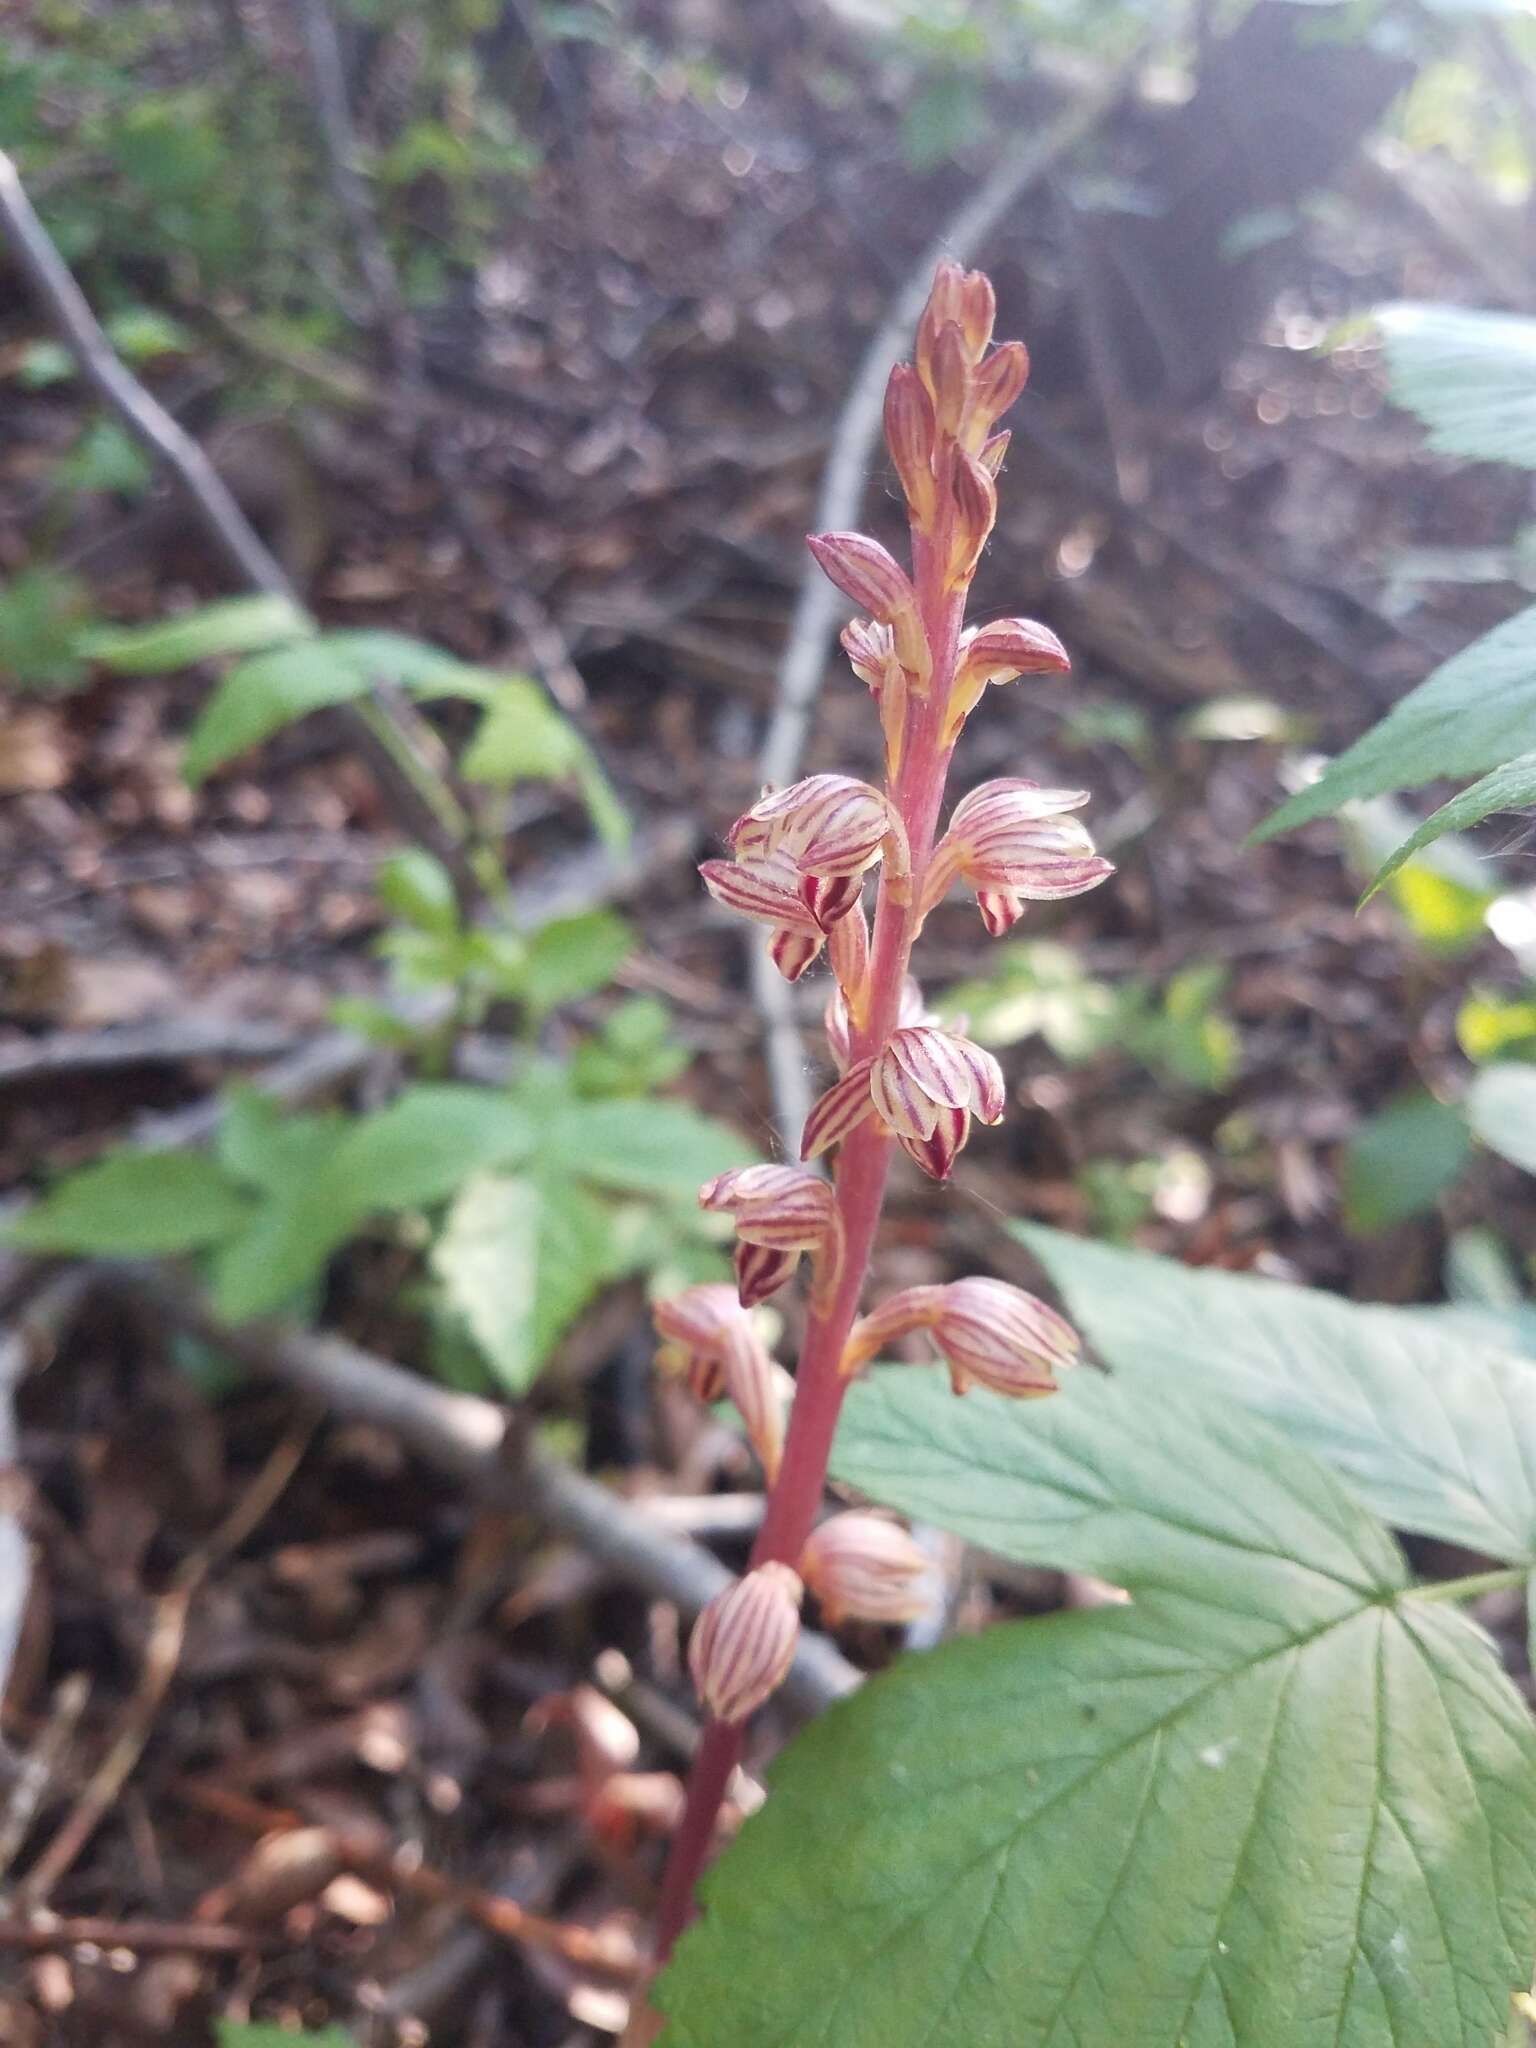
(1014, 844)
(711, 1342)
(923, 1088)
(989, 1333)
(780, 1212)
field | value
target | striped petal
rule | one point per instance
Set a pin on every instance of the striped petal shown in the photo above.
(761, 1271)
(767, 890)
(839, 1112)
(950, 1070)
(793, 951)
(903, 1104)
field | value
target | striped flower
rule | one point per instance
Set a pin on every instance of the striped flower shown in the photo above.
(710, 1341)
(780, 1212)
(999, 653)
(989, 1333)
(923, 1088)
(744, 1642)
(833, 828)
(864, 1567)
(772, 891)
(1014, 844)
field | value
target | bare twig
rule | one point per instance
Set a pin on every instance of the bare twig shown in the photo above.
(387, 740)
(164, 1041)
(819, 607)
(45, 1931)
(165, 439)
(469, 1437)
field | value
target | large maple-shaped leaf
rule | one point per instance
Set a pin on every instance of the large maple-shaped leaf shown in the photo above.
(1277, 1801)
(1433, 1428)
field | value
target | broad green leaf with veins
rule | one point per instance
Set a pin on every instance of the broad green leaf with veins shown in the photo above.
(1433, 1429)
(1275, 1802)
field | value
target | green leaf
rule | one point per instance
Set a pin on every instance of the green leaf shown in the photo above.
(1501, 1107)
(1508, 788)
(105, 458)
(380, 657)
(523, 738)
(1471, 378)
(1475, 712)
(1433, 1431)
(571, 957)
(518, 1260)
(425, 1145)
(1402, 1160)
(651, 1148)
(277, 1259)
(1489, 1023)
(1037, 985)
(1274, 1802)
(260, 696)
(415, 885)
(259, 2034)
(235, 625)
(135, 1204)
(40, 614)
(260, 1142)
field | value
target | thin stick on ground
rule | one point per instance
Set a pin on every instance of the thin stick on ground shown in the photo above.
(388, 738)
(470, 1438)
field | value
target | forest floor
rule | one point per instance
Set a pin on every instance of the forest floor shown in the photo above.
(360, 1711)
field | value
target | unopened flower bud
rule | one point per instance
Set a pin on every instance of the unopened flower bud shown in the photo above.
(950, 370)
(744, 1641)
(864, 1567)
(996, 654)
(909, 432)
(989, 1333)
(997, 385)
(975, 516)
(866, 572)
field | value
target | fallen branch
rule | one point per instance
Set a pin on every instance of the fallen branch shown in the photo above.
(389, 740)
(45, 1931)
(819, 607)
(472, 1439)
(164, 1041)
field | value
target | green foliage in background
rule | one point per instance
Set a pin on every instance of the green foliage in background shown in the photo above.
(1037, 987)
(1472, 378)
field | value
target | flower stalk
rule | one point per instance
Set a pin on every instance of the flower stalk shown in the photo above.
(800, 861)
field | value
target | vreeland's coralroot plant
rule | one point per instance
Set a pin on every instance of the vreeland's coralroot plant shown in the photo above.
(800, 862)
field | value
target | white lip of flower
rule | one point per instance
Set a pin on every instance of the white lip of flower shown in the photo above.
(923, 1087)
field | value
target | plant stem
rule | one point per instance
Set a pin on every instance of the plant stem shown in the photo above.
(859, 1187)
(1473, 1585)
